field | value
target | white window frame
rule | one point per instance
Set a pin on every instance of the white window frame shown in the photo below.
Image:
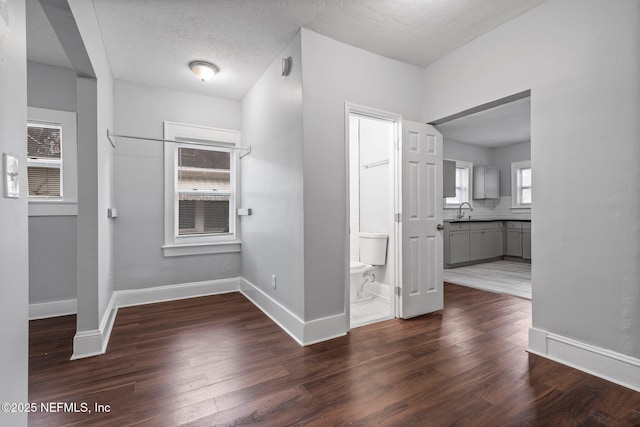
(462, 164)
(67, 203)
(174, 244)
(516, 188)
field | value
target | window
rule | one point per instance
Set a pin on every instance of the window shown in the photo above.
(521, 184)
(464, 174)
(204, 191)
(51, 162)
(44, 159)
(200, 190)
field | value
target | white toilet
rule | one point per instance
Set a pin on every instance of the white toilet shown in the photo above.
(373, 254)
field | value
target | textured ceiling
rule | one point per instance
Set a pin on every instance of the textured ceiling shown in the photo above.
(497, 127)
(152, 41)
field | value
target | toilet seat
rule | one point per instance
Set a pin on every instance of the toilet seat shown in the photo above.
(359, 267)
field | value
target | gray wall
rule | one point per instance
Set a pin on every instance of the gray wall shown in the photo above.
(14, 279)
(272, 238)
(52, 258)
(51, 87)
(52, 239)
(333, 73)
(500, 157)
(503, 157)
(139, 185)
(455, 150)
(585, 104)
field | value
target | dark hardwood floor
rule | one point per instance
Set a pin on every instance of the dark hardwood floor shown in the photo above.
(219, 360)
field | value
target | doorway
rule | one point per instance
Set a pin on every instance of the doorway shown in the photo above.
(488, 233)
(372, 233)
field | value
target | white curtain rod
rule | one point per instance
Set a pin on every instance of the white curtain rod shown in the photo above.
(204, 144)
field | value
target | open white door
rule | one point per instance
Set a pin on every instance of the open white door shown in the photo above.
(422, 269)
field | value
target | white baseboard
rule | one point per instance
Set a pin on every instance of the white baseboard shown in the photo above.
(45, 310)
(284, 318)
(304, 333)
(609, 365)
(131, 297)
(94, 342)
(324, 329)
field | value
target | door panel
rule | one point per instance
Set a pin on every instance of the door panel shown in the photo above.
(422, 242)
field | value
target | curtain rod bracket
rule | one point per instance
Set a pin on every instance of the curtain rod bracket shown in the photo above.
(113, 144)
(246, 153)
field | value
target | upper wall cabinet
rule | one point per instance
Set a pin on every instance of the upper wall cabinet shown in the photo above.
(486, 182)
(449, 175)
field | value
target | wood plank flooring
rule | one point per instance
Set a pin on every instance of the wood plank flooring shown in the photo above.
(503, 277)
(219, 360)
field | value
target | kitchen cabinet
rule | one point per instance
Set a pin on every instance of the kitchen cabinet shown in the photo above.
(456, 243)
(467, 242)
(486, 182)
(514, 239)
(459, 247)
(483, 240)
(526, 240)
(449, 178)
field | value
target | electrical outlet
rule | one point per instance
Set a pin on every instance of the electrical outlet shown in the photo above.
(273, 281)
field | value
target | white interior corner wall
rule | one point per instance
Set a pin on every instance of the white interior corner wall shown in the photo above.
(271, 185)
(140, 110)
(581, 60)
(14, 284)
(76, 26)
(335, 73)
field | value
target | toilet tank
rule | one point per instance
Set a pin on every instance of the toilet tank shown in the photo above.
(373, 248)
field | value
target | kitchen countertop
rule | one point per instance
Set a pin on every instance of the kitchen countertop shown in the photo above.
(486, 219)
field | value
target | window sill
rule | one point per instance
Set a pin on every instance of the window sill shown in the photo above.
(520, 208)
(52, 208)
(229, 246)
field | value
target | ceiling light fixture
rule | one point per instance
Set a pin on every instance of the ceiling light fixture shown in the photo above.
(203, 70)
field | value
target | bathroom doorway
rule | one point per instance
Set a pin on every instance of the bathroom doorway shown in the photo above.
(373, 235)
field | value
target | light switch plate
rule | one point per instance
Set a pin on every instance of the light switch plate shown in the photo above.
(11, 177)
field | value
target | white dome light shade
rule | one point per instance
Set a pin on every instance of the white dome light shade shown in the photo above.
(203, 70)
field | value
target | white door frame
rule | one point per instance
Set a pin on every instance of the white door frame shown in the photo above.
(396, 238)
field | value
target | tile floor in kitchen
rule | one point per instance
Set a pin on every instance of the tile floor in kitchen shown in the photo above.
(503, 277)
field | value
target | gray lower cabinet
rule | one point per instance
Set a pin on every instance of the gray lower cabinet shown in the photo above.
(526, 240)
(483, 240)
(458, 247)
(472, 241)
(499, 236)
(514, 239)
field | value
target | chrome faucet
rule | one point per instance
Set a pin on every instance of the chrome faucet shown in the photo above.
(460, 213)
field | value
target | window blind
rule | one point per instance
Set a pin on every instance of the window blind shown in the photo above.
(204, 191)
(44, 161)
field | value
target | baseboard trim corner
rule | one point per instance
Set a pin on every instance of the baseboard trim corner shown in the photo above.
(303, 332)
(606, 364)
(324, 329)
(288, 322)
(94, 342)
